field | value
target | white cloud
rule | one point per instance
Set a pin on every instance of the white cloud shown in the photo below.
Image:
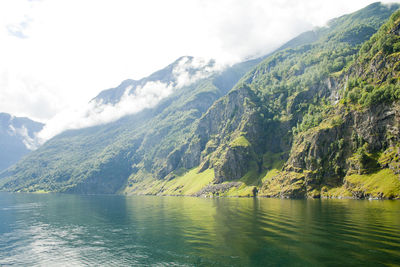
(95, 113)
(133, 100)
(18, 30)
(24, 96)
(71, 50)
(30, 142)
(189, 70)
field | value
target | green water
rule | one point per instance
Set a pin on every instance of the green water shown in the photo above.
(55, 229)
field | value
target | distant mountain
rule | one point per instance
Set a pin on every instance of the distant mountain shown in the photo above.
(319, 117)
(16, 138)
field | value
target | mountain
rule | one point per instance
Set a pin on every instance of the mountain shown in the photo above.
(17, 138)
(319, 117)
(99, 159)
(181, 71)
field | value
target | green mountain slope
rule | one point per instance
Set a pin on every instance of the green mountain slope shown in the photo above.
(319, 117)
(354, 151)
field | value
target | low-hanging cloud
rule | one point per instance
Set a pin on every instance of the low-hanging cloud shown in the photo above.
(187, 71)
(24, 96)
(19, 29)
(30, 142)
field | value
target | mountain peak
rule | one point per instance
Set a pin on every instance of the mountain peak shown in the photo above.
(182, 72)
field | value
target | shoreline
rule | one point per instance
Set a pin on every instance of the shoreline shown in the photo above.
(205, 196)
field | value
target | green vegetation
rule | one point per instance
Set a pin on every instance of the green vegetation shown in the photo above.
(241, 191)
(188, 184)
(292, 83)
(273, 160)
(270, 174)
(277, 184)
(366, 94)
(240, 141)
(335, 192)
(377, 84)
(384, 183)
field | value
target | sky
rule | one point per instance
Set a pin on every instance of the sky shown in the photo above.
(56, 55)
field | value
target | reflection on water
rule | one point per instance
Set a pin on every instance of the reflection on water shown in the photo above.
(56, 229)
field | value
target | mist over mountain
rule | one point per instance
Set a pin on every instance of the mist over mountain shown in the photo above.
(319, 117)
(131, 96)
(17, 138)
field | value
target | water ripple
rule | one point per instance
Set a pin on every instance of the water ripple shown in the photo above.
(69, 230)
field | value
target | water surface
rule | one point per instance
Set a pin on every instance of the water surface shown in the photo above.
(57, 229)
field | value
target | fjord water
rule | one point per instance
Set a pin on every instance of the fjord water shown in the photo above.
(57, 229)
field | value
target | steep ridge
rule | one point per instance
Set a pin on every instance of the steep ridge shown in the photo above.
(354, 151)
(16, 138)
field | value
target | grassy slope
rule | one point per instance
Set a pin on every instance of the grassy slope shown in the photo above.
(382, 184)
(187, 183)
